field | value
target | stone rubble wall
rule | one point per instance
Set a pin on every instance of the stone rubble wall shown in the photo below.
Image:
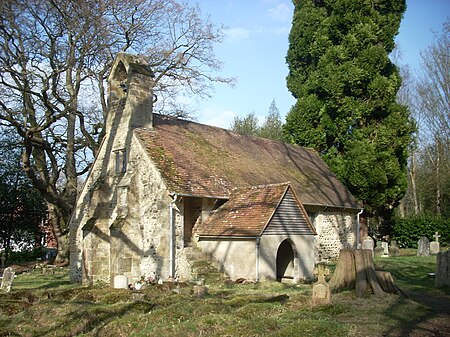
(336, 230)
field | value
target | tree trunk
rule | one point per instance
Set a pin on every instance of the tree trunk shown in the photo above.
(344, 274)
(387, 282)
(438, 177)
(355, 270)
(361, 282)
(413, 183)
(57, 223)
(370, 273)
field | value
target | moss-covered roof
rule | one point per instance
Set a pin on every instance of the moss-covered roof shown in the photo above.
(245, 214)
(201, 160)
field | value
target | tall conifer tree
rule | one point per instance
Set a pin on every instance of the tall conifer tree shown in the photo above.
(346, 86)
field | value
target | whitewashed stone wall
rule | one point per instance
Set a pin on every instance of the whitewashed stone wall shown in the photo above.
(336, 230)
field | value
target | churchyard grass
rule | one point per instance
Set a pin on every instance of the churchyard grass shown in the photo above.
(48, 305)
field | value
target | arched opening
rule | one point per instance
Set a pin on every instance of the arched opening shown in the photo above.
(286, 261)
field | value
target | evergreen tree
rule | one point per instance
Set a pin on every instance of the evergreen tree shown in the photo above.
(272, 127)
(346, 86)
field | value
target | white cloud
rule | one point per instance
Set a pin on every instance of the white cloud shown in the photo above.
(217, 117)
(237, 34)
(281, 12)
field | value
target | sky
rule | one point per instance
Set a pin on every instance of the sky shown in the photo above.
(255, 46)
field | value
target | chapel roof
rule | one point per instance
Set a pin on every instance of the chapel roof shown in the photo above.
(247, 212)
(200, 160)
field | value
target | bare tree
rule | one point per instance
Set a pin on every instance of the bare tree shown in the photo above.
(433, 94)
(54, 59)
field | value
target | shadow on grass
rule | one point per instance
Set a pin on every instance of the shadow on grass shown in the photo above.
(93, 317)
(428, 323)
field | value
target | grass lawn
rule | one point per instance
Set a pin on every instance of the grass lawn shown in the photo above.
(48, 305)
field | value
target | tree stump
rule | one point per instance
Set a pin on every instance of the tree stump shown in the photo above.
(344, 274)
(387, 283)
(355, 270)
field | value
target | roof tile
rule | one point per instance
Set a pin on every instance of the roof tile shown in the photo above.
(202, 160)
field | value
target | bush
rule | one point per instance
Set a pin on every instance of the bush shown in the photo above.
(25, 255)
(407, 231)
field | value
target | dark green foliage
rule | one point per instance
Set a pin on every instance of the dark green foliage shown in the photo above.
(346, 88)
(26, 255)
(21, 208)
(408, 231)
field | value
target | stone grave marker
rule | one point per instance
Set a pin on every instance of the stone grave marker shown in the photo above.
(368, 243)
(378, 250)
(393, 249)
(7, 280)
(120, 282)
(435, 245)
(423, 246)
(385, 246)
(321, 290)
(442, 275)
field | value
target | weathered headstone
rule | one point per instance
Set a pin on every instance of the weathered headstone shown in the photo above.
(385, 246)
(7, 280)
(435, 245)
(393, 249)
(368, 243)
(378, 250)
(423, 246)
(442, 275)
(321, 290)
(120, 282)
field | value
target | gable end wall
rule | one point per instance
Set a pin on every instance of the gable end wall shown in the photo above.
(288, 219)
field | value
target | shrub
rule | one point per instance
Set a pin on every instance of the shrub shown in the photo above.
(25, 255)
(407, 231)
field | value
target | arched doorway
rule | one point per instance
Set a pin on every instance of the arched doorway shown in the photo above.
(286, 256)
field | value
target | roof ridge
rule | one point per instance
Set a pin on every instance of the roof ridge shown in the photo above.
(176, 119)
(254, 187)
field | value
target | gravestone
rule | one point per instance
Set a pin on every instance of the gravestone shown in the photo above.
(385, 246)
(368, 243)
(7, 280)
(120, 282)
(423, 246)
(393, 249)
(435, 245)
(321, 290)
(378, 249)
(442, 275)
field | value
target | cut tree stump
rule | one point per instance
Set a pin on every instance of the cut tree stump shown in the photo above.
(344, 274)
(387, 282)
(355, 270)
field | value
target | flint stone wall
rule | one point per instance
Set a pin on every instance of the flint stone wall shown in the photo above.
(336, 230)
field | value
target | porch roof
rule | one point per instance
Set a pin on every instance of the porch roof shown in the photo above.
(245, 214)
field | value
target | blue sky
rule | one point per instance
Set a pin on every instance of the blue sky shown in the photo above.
(255, 47)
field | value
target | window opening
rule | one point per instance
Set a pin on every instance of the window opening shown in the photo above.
(121, 161)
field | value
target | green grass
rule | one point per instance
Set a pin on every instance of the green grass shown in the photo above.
(410, 271)
(48, 305)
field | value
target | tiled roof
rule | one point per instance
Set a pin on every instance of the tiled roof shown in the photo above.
(246, 213)
(202, 160)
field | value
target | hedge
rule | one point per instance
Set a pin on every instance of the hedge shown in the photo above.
(408, 231)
